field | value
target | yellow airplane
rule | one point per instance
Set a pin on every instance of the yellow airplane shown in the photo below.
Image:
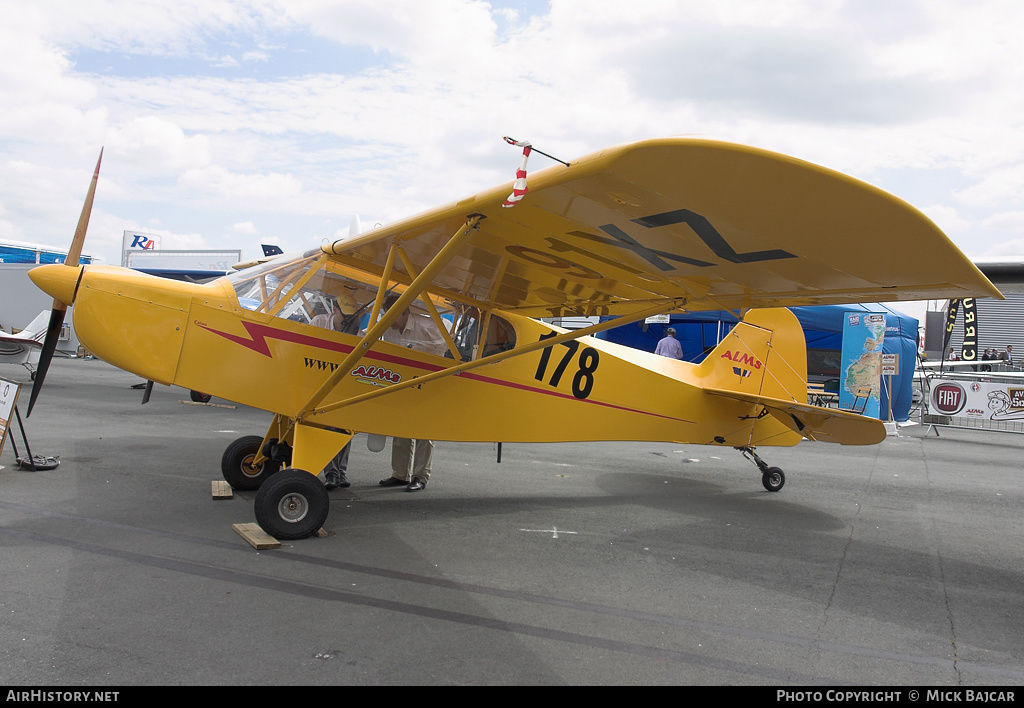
(648, 228)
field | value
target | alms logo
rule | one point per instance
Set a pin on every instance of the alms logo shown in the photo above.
(738, 357)
(140, 241)
(376, 373)
(743, 360)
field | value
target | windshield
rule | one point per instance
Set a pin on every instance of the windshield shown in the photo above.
(304, 287)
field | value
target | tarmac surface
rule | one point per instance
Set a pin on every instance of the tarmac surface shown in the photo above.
(605, 563)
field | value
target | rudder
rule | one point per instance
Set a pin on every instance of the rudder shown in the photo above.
(764, 355)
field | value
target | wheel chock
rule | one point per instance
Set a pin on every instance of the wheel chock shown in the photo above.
(256, 537)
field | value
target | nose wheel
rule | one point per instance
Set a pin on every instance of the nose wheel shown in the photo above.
(772, 478)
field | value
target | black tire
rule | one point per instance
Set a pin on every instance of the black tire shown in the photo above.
(773, 479)
(199, 397)
(237, 468)
(293, 504)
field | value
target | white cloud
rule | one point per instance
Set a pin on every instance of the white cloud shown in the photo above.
(1012, 221)
(997, 185)
(154, 143)
(215, 182)
(1011, 248)
(403, 104)
(440, 33)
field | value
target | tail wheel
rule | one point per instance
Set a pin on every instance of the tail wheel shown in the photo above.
(198, 397)
(237, 464)
(773, 479)
(293, 504)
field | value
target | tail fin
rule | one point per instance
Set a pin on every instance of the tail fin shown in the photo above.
(762, 363)
(764, 355)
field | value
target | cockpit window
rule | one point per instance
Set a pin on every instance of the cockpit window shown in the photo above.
(303, 287)
(470, 322)
(296, 289)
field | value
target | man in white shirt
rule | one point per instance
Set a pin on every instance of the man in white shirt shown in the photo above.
(411, 459)
(669, 346)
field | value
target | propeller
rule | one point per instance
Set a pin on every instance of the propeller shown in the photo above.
(59, 306)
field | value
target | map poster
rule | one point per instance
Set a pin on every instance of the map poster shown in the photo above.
(860, 373)
(8, 399)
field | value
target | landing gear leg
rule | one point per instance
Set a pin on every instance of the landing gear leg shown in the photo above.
(772, 478)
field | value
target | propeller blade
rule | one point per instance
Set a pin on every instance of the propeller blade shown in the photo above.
(46, 353)
(75, 252)
(59, 307)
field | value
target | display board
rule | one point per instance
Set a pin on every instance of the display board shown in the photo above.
(8, 399)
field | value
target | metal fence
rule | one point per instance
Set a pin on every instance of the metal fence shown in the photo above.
(967, 398)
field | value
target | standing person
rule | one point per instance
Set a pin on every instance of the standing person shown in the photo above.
(1007, 355)
(340, 319)
(669, 346)
(411, 459)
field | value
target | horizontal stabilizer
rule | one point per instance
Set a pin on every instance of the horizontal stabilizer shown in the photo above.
(815, 422)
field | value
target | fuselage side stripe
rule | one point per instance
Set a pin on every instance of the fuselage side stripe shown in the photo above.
(259, 333)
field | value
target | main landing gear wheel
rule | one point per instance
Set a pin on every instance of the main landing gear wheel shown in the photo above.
(292, 504)
(237, 464)
(773, 479)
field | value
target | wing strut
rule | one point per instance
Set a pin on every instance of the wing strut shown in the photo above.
(411, 270)
(374, 332)
(660, 308)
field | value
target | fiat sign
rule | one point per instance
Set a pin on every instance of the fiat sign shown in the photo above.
(948, 398)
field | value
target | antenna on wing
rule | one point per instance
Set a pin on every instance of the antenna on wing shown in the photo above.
(526, 143)
(519, 187)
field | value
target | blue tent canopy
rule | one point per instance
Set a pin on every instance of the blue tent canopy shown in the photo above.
(699, 332)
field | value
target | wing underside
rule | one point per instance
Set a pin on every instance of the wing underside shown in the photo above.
(720, 225)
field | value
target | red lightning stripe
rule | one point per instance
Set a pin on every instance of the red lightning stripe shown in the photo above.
(259, 333)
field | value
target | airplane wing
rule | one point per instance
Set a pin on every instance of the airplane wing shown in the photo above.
(724, 226)
(14, 349)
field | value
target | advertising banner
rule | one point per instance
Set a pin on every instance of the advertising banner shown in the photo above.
(13, 253)
(954, 307)
(981, 400)
(860, 375)
(134, 241)
(969, 352)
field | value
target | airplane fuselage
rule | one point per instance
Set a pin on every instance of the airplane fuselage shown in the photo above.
(201, 338)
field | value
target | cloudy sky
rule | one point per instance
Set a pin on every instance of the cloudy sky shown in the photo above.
(228, 124)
